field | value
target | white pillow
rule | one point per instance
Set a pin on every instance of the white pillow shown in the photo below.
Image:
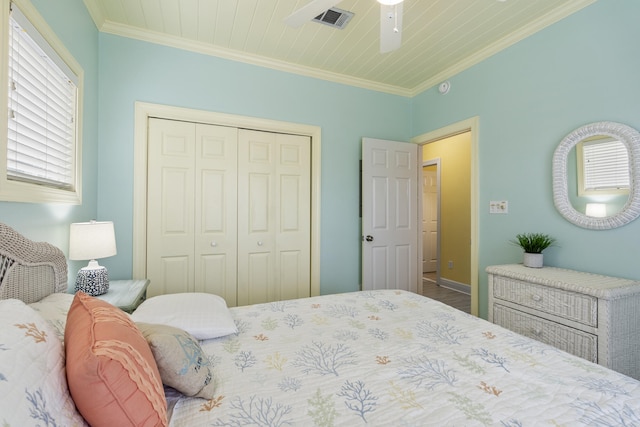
(33, 382)
(203, 315)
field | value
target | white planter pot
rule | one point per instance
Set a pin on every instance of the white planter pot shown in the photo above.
(533, 260)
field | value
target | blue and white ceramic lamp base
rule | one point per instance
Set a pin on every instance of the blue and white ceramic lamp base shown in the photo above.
(93, 281)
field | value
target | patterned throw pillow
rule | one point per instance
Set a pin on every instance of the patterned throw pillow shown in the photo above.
(33, 385)
(180, 359)
(112, 375)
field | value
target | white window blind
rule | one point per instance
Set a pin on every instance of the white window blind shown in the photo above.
(606, 165)
(42, 108)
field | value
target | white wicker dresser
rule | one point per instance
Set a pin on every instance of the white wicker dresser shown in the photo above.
(591, 316)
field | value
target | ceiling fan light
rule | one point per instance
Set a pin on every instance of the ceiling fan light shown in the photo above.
(389, 2)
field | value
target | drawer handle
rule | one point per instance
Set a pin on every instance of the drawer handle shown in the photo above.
(536, 331)
(536, 298)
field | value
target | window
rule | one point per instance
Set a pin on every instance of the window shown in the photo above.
(603, 166)
(40, 162)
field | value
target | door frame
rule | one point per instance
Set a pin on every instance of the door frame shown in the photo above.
(143, 111)
(469, 125)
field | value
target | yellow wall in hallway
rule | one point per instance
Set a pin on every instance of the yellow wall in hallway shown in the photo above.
(455, 204)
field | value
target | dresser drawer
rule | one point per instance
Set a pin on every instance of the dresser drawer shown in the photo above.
(571, 340)
(580, 308)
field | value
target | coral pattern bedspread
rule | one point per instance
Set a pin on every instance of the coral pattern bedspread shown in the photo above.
(394, 358)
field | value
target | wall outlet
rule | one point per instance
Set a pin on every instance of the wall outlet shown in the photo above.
(499, 207)
(450, 265)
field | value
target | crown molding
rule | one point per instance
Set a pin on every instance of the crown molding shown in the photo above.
(234, 55)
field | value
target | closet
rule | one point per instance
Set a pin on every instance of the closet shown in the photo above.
(228, 212)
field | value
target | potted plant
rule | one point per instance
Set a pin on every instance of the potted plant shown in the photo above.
(533, 245)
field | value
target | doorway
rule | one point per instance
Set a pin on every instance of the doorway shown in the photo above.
(457, 255)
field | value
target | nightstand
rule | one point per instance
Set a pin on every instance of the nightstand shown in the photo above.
(127, 295)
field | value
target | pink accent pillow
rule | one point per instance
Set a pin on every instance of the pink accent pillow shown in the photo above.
(111, 372)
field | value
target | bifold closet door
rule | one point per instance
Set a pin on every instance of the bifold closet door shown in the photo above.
(215, 211)
(191, 208)
(274, 224)
(228, 212)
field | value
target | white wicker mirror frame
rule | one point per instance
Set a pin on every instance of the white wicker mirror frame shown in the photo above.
(630, 137)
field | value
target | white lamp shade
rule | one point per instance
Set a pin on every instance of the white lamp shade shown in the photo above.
(596, 210)
(92, 240)
(390, 2)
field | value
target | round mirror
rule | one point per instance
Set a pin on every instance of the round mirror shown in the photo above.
(621, 202)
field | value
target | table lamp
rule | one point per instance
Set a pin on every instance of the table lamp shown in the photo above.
(90, 241)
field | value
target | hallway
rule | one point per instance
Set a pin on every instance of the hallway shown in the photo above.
(450, 297)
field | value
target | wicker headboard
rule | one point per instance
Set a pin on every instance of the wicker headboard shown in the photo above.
(29, 270)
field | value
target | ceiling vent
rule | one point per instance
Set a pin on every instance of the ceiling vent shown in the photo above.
(336, 18)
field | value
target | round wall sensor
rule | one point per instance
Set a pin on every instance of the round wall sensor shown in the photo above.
(444, 87)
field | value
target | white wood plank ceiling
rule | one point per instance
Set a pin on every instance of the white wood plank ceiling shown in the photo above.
(439, 38)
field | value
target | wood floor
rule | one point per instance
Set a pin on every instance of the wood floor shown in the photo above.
(450, 297)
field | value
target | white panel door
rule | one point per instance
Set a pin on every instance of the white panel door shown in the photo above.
(274, 201)
(170, 207)
(389, 215)
(216, 224)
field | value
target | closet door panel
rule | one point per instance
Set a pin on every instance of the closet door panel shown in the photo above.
(175, 204)
(259, 199)
(274, 173)
(212, 194)
(214, 271)
(260, 276)
(293, 230)
(256, 233)
(292, 281)
(215, 211)
(170, 207)
(176, 272)
(258, 245)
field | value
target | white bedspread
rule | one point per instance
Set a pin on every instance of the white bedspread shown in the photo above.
(393, 358)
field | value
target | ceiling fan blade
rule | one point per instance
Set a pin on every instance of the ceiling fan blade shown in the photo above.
(390, 27)
(309, 11)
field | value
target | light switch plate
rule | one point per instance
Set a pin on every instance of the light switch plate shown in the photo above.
(499, 207)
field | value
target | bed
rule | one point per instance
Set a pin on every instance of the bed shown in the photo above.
(379, 358)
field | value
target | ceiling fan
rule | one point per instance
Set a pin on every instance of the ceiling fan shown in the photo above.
(390, 20)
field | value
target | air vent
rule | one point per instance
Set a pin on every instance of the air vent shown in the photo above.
(336, 18)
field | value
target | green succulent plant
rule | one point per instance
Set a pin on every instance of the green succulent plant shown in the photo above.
(534, 243)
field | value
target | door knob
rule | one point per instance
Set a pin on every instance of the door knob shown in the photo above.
(369, 238)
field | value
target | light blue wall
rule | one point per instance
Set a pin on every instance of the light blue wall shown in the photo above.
(72, 24)
(528, 97)
(133, 71)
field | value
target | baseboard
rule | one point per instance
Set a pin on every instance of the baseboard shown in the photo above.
(455, 286)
